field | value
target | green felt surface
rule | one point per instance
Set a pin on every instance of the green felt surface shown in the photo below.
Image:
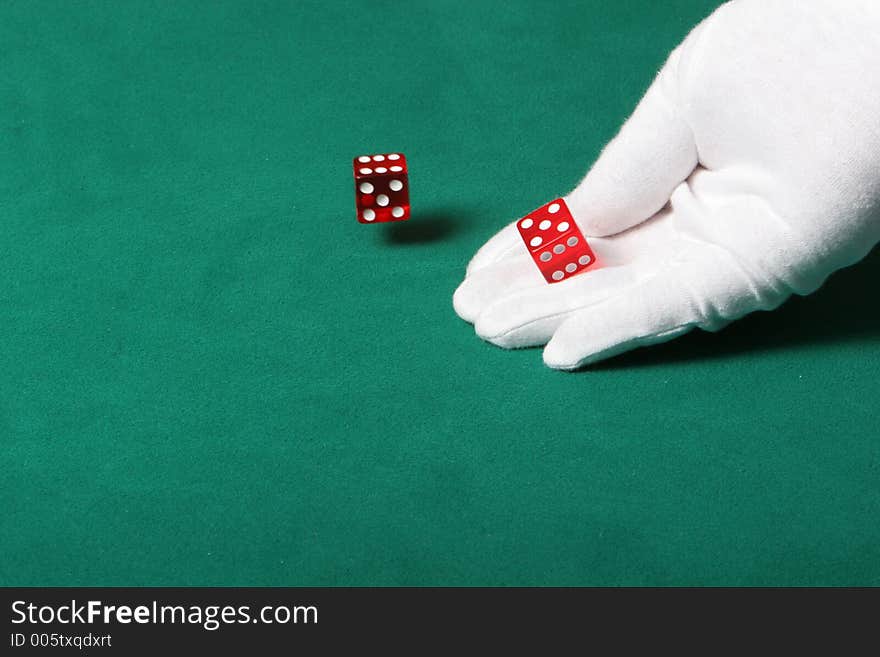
(210, 373)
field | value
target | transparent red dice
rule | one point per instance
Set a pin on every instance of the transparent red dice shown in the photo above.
(381, 188)
(555, 242)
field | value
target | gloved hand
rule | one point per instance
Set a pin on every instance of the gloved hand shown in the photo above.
(749, 171)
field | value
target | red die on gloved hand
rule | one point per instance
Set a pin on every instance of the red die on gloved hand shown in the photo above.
(381, 188)
(556, 243)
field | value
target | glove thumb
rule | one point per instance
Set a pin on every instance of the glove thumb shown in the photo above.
(638, 170)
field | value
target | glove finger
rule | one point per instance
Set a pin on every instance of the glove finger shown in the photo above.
(647, 313)
(502, 244)
(529, 317)
(492, 282)
(708, 288)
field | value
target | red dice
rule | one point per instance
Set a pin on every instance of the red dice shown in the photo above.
(381, 188)
(556, 243)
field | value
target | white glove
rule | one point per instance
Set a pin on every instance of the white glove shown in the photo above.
(750, 170)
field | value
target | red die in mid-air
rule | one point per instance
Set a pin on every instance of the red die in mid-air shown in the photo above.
(556, 243)
(381, 188)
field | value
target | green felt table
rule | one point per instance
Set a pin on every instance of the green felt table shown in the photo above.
(211, 374)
